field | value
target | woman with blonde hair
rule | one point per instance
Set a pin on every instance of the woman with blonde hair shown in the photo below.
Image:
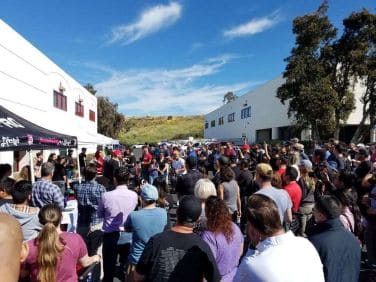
(294, 161)
(54, 255)
(307, 183)
(204, 188)
(24, 174)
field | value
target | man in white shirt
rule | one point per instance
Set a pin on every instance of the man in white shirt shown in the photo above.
(275, 255)
(178, 163)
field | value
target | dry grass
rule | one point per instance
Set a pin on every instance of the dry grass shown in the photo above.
(139, 130)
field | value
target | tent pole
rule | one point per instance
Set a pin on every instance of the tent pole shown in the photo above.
(78, 166)
(31, 162)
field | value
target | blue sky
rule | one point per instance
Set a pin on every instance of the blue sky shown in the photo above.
(167, 57)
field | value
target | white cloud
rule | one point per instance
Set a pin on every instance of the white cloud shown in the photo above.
(195, 46)
(254, 26)
(150, 21)
(170, 92)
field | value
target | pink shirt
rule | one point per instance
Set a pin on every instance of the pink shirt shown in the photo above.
(347, 219)
(74, 249)
(115, 207)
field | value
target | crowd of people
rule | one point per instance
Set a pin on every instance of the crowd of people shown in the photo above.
(216, 212)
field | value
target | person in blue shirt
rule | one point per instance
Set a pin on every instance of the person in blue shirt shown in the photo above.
(144, 223)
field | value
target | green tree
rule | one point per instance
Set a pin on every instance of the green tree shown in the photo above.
(229, 97)
(110, 121)
(361, 30)
(307, 88)
(89, 87)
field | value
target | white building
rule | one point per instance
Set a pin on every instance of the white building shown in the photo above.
(259, 116)
(35, 88)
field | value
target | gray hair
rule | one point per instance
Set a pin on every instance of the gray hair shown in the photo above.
(47, 169)
(204, 188)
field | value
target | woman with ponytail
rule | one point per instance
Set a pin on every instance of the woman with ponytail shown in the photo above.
(54, 254)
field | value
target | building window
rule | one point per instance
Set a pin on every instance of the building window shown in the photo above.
(91, 115)
(79, 109)
(206, 124)
(212, 123)
(60, 101)
(231, 117)
(246, 112)
(220, 121)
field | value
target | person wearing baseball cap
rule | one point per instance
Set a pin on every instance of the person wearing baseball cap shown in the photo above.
(186, 254)
(144, 224)
(246, 148)
(116, 153)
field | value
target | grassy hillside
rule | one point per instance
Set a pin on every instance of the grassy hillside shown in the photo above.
(138, 130)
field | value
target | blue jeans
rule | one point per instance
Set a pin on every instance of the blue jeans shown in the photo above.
(69, 173)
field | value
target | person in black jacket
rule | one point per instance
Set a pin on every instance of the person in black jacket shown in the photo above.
(338, 248)
(185, 184)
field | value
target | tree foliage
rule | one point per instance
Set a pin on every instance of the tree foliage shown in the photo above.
(361, 30)
(89, 87)
(322, 70)
(229, 97)
(110, 121)
(308, 88)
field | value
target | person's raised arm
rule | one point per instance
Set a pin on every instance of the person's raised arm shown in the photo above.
(238, 202)
(220, 191)
(266, 151)
(241, 155)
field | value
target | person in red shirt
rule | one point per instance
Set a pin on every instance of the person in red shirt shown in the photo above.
(229, 150)
(145, 163)
(292, 187)
(282, 166)
(99, 158)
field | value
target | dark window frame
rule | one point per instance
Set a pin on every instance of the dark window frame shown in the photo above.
(91, 115)
(60, 101)
(246, 112)
(231, 117)
(79, 109)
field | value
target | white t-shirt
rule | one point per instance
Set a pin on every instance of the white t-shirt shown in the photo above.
(178, 164)
(283, 258)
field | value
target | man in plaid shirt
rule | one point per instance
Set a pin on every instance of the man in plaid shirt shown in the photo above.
(89, 194)
(44, 191)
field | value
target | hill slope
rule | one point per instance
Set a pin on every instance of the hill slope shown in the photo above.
(138, 130)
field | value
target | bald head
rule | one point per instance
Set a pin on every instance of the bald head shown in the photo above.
(12, 249)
